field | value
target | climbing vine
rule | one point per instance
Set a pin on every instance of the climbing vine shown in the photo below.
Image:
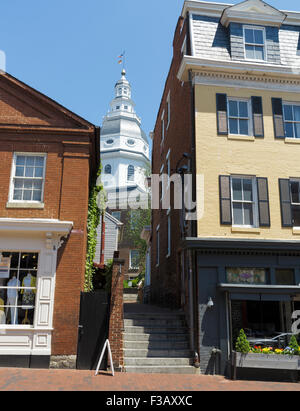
(95, 208)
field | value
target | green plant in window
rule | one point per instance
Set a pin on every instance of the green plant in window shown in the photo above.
(242, 344)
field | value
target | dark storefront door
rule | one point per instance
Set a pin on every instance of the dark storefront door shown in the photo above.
(93, 329)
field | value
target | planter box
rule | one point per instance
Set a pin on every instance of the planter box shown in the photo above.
(273, 361)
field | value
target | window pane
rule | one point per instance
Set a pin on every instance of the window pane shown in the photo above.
(289, 129)
(297, 130)
(296, 113)
(28, 184)
(20, 161)
(249, 36)
(258, 37)
(246, 275)
(296, 216)
(29, 161)
(29, 172)
(37, 195)
(295, 192)
(38, 172)
(259, 53)
(17, 195)
(19, 183)
(19, 171)
(233, 108)
(288, 112)
(247, 188)
(244, 129)
(27, 195)
(248, 214)
(237, 214)
(233, 126)
(284, 277)
(250, 52)
(237, 189)
(243, 109)
(39, 161)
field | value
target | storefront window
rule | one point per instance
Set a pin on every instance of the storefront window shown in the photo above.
(18, 273)
(246, 275)
(284, 276)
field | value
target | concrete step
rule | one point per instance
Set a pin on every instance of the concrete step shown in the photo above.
(154, 330)
(156, 337)
(165, 345)
(161, 370)
(140, 353)
(149, 322)
(148, 361)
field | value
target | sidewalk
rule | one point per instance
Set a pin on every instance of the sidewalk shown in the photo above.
(12, 379)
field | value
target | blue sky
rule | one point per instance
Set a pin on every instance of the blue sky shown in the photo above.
(68, 49)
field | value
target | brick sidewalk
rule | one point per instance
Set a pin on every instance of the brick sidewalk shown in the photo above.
(12, 379)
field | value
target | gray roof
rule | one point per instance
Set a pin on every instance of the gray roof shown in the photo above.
(216, 42)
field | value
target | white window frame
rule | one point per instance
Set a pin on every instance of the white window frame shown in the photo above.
(168, 162)
(289, 103)
(163, 127)
(254, 201)
(19, 288)
(130, 260)
(249, 118)
(131, 178)
(169, 232)
(168, 110)
(13, 176)
(255, 44)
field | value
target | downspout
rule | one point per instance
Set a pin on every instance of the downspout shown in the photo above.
(102, 249)
(194, 305)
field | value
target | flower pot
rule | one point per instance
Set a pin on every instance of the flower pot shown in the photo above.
(267, 361)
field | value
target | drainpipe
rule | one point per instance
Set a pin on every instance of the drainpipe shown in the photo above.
(102, 250)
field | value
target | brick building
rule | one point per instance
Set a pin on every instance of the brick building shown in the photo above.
(48, 156)
(229, 119)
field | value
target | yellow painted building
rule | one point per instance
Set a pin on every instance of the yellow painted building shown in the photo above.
(239, 260)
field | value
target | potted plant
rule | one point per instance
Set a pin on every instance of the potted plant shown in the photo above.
(266, 357)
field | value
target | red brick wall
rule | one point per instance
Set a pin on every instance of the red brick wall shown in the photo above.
(116, 324)
(32, 123)
(166, 279)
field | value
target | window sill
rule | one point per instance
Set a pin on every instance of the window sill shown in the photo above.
(296, 230)
(251, 230)
(240, 137)
(28, 205)
(289, 140)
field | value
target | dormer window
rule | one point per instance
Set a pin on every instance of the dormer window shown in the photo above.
(254, 40)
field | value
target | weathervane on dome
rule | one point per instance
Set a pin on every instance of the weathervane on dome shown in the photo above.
(121, 60)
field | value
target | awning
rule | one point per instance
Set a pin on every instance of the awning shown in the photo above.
(260, 292)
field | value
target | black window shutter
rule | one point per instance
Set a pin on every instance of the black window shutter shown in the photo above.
(257, 113)
(225, 200)
(222, 118)
(285, 200)
(263, 202)
(278, 117)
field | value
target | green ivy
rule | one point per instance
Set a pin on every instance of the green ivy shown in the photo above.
(95, 208)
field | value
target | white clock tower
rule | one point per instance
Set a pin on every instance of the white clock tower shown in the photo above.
(124, 149)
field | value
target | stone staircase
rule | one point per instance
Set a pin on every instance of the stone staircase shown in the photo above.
(155, 341)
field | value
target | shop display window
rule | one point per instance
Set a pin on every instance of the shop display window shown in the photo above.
(246, 275)
(18, 276)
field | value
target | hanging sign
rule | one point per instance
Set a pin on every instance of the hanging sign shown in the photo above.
(4, 266)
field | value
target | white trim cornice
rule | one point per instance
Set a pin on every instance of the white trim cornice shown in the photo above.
(30, 225)
(286, 73)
